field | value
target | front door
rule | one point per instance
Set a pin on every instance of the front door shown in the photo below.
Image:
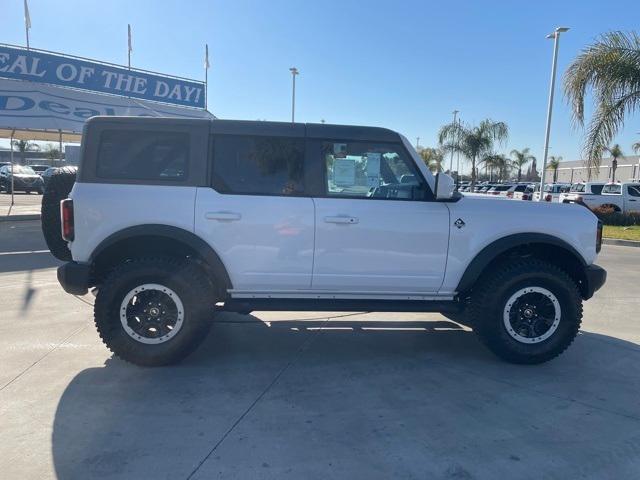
(378, 232)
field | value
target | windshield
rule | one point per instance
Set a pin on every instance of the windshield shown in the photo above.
(578, 187)
(21, 170)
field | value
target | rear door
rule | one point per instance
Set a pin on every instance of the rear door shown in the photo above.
(378, 232)
(255, 214)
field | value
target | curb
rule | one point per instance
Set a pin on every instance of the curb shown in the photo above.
(18, 218)
(620, 243)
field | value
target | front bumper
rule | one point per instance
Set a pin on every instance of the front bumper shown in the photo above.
(74, 277)
(595, 278)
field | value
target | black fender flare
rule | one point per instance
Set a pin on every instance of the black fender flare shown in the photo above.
(202, 248)
(500, 246)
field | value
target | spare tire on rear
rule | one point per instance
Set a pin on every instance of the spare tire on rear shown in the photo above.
(58, 188)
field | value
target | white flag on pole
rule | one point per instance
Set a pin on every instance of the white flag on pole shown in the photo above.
(129, 32)
(27, 17)
(206, 56)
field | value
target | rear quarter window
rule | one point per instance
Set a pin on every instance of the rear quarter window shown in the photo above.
(143, 155)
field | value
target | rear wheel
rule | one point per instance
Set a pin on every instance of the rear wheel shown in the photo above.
(154, 311)
(527, 311)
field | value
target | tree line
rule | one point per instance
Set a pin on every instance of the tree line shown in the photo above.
(608, 71)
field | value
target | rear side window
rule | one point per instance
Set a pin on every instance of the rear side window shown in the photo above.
(613, 188)
(258, 165)
(143, 155)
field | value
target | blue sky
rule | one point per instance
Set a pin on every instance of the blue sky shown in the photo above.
(401, 64)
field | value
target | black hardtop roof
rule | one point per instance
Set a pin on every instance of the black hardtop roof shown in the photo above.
(258, 127)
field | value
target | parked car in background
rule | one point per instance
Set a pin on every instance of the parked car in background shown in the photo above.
(622, 197)
(516, 191)
(39, 169)
(528, 193)
(499, 190)
(581, 189)
(552, 191)
(24, 179)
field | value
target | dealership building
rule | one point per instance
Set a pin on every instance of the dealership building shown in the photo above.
(576, 171)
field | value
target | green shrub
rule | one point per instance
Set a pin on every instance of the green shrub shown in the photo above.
(609, 216)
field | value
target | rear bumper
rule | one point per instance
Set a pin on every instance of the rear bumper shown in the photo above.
(74, 278)
(596, 276)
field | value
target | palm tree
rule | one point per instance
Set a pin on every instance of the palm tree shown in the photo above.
(636, 147)
(53, 153)
(552, 164)
(24, 146)
(520, 159)
(473, 142)
(615, 152)
(610, 69)
(433, 158)
(498, 162)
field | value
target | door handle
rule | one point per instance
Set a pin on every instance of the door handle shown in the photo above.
(342, 219)
(223, 216)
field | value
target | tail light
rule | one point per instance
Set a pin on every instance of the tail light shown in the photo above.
(66, 217)
(547, 198)
(599, 237)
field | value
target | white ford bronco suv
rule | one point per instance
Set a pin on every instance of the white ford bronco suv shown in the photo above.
(171, 221)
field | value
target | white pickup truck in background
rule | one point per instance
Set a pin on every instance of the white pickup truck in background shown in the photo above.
(580, 190)
(552, 191)
(623, 197)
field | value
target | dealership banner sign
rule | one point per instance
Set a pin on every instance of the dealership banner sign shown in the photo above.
(54, 69)
(29, 106)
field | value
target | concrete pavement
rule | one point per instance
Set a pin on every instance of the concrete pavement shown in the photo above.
(311, 395)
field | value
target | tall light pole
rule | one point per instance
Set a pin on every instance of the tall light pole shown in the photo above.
(294, 71)
(417, 143)
(556, 41)
(458, 155)
(455, 115)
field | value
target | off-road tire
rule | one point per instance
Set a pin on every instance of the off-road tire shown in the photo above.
(490, 298)
(185, 278)
(58, 188)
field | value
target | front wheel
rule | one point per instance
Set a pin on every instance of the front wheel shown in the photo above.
(154, 312)
(527, 311)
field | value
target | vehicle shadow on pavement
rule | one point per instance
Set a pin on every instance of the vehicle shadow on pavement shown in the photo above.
(354, 399)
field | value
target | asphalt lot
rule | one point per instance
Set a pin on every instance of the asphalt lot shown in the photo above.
(311, 395)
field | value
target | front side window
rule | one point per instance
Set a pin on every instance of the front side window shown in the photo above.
(596, 189)
(143, 155)
(370, 170)
(258, 165)
(634, 190)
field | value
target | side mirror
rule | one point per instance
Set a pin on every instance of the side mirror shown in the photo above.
(445, 186)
